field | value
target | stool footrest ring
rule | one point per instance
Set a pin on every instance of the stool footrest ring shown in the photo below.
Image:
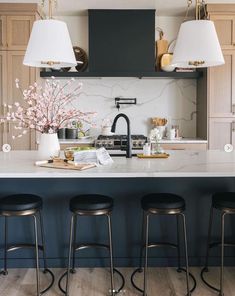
(46, 270)
(218, 244)
(115, 270)
(21, 246)
(205, 269)
(140, 270)
(91, 245)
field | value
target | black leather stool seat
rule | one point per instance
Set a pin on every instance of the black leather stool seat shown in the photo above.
(90, 202)
(20, 202)
(224, 200)
(162, 201)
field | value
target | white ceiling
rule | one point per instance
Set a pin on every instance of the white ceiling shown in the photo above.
(78, 7)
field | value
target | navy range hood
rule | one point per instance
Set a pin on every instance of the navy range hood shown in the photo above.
(121, 41)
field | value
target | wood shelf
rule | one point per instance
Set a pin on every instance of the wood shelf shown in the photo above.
(171, 75)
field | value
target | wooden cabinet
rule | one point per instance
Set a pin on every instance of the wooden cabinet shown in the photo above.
(222, 87)
(16, 21)
(222, 132)
(3, 92)
(18, 31)
(3, 32)
(225, 27)
(221, 80)
(16, 70)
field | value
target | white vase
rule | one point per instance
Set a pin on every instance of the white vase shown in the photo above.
(49, 146)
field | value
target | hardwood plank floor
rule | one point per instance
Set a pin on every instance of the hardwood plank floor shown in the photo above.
(95, 282)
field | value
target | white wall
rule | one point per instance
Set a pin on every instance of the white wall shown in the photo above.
(174, 99)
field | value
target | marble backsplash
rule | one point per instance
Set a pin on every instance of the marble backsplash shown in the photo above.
(169, 98)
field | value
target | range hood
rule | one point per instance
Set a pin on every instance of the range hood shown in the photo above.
(121, 41)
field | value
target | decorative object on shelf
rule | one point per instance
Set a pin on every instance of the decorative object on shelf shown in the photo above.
(49, 44)
(81, 58)
(106, 127)
(197, 45)
(46, 110)
(166, 62)
(161, 48)
(166, 58)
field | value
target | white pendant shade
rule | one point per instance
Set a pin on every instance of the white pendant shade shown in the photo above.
(49, 45)
(197, 46)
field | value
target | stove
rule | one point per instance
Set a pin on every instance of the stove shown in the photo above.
(118, 142)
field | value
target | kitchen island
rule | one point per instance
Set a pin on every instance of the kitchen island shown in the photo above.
(195, 175)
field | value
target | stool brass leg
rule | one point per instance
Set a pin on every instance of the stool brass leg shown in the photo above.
(70, 252)
(222, 256)
(209, 239)
(111, 255)
(142, 242)
(5, 272)
(74, 244)
(146, 218)
(186, 253)
(43, 240)
(178, 244)
(36, 252)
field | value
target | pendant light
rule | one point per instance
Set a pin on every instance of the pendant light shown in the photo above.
(197, 44)
(49, 44)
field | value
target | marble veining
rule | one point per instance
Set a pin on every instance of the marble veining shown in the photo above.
(169, 98)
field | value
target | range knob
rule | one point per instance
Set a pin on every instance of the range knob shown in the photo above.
(135, 143)
(110, 144)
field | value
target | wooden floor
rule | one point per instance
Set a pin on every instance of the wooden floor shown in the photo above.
(95, 282)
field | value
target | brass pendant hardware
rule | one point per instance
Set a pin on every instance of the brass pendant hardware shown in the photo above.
(50, 8)
(50, 63)
(196, 63)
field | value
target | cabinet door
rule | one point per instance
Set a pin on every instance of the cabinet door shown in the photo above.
(3, 89)
(3, 32)
(26, 75)
(222, 132)
(222, 87)
(225, 25)
(18, 31)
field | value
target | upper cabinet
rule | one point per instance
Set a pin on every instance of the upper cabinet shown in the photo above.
(3, 32)
(18, 31)
(221, 87)
(16, 21)
(225, 27)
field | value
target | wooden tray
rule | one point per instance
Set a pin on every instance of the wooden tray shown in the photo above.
(162, 155)
(61, 164)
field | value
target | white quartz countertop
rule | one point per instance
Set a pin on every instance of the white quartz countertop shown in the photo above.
(163, 141)
(20, 164)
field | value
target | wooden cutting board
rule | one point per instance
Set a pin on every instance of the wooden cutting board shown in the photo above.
(162, 155)
(68, 166)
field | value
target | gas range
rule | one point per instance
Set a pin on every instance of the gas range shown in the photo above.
(118, 142)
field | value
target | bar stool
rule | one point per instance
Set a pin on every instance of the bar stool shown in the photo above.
(224, 202)
(25, 205)
(90, 205)
(162, 204)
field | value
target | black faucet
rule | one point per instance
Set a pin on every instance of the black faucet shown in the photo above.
(128, 145)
